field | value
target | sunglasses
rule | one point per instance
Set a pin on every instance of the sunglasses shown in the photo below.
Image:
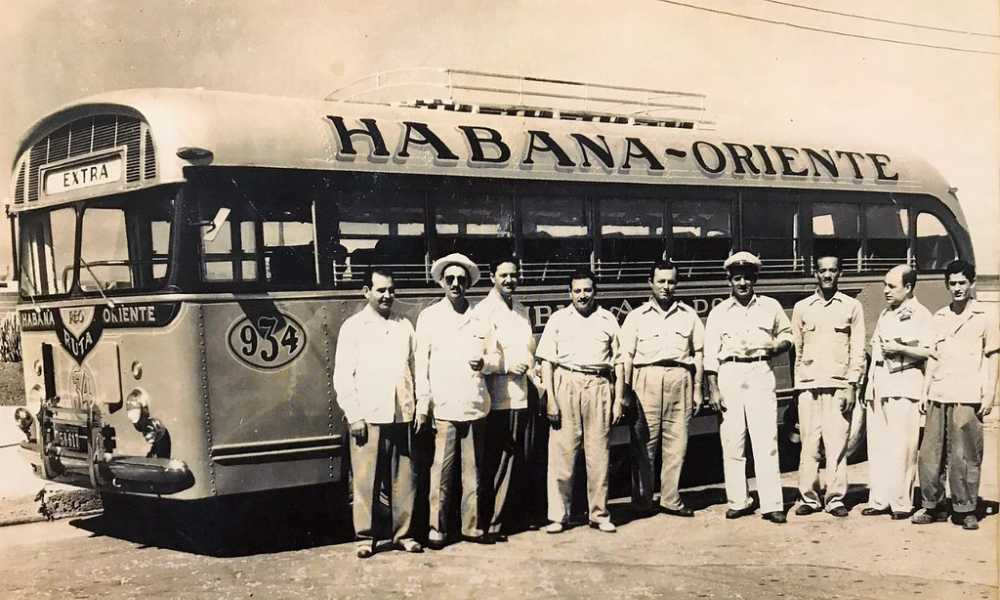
(450, 279)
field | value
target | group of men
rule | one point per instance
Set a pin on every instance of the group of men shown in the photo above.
(464, 374)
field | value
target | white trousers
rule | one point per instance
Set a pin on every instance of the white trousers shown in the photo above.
(751, 407)
(893, 431)
(821, 421)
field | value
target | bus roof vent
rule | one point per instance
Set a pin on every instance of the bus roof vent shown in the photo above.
(459, 90)
(86, 136)
(19, 185)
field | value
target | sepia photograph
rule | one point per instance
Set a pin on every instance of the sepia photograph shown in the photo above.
(463, 299)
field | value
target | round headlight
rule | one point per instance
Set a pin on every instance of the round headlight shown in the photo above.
(136, 406)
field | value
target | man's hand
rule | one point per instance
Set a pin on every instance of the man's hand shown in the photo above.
(359, 431)
(847, 398)
(476, 364)
(985, 408)
(617, 411)
(716, 402)
(519, 369)
(552, 414)
(922, 407)
(420, 424)
(696, 400)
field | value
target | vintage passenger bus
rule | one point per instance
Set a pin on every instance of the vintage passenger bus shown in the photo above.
(186, 257)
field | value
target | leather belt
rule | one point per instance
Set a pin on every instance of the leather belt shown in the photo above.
(666, 363)
(605, 373)
(744, 359)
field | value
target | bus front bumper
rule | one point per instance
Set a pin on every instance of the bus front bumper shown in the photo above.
(140, 474)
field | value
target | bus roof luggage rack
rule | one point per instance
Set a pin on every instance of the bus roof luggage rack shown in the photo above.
(460, 90)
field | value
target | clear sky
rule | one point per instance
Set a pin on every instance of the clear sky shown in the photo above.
(941, 104)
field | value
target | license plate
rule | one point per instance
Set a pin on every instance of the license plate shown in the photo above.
(72, 437)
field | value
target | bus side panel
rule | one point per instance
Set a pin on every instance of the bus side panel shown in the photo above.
(274, 420)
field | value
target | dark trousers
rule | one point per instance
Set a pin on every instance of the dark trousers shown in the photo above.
(384, 461)
(507, 447)
(952, 447)
(458, 454)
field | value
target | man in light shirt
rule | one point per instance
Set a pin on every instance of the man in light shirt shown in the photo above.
(661, 354)
(961, 388)
(742, 333)
(373, 378)
(895, 391)
(829, 331)
(578, 349)
(452, 394)
(510, 358)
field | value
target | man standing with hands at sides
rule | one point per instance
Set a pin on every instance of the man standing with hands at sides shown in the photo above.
(742, 333)
(829, 332)
(577, 350)
(510, 356)
(661, 354)
(451, 394)
(895, 391)
(373, 378)
(961, 387)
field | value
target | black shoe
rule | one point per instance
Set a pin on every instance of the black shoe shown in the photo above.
(775, 517)
(497, 538)
(900, 516)
(871, 511)
(436, 544)
(840, 511)
(736, 513)
(478, 539)
(805, 509)
(678, 512)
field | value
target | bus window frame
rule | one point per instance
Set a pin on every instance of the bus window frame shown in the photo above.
(328, 186)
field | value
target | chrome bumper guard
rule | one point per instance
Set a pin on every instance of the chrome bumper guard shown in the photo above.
(142, 474)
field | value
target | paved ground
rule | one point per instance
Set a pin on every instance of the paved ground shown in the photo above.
(290, 555)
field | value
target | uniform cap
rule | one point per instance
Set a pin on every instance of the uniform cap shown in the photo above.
(742, 259)
(455, 258)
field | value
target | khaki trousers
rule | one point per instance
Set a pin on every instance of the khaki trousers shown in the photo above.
(385, 460)
(458, 455)
(751, 407)
(893, 431)
(821, 421)
(660, 432)
(584, 402)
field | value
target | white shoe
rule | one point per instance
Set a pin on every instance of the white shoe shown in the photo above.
(554, 527)
(605, 526)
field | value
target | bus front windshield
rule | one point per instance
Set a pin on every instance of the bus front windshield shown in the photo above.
(124, 246)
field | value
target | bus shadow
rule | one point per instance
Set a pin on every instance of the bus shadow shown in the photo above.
(226, 527)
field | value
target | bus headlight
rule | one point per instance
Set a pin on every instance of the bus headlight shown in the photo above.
(137, 407)
(24, 420)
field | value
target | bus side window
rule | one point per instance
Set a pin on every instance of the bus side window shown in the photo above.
(887, 236)
(632, 237)
(481, 226)
(836, 232)
(702, 233)
(769, 226)
(557, 236)
(385, 229)
(935, 248)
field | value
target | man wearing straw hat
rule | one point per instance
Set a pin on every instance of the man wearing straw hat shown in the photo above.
(452, 395)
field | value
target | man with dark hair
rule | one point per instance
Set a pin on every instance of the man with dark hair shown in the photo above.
(829, 332)
(961, 387)
(661, 356)
(900, 347)
(452, 394)
(578, 349)
(743, 332)
(373, 378)
(510, 359)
